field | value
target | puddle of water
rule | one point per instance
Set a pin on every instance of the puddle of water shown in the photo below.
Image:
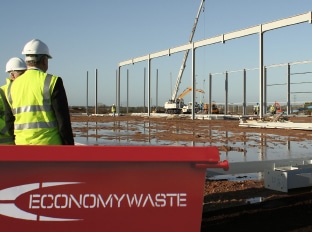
(254, 200)
(238, 177)
(258, 147)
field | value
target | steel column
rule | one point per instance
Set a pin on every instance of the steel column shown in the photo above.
(288, 89)
(226, 93)
(261, 112)
(244, 92)
(96, 93)
(193, 82)
(149, 87)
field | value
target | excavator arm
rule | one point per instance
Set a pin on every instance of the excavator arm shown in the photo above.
(187, 90)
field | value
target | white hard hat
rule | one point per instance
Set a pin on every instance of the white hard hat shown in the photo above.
(15, 64)
(36, 47)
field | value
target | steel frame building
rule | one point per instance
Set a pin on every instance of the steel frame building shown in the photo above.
(258, 29)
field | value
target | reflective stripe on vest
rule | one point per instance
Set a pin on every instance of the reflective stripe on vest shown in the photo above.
(2, 113)
(5, 137)
(34, 125)
(9, 93)
(6, 140)
(4, 130)
(26, 109)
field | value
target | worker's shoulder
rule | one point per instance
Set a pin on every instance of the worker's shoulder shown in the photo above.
(54, 75)
(57, 79)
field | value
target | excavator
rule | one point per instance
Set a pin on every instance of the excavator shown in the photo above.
(180, 106)
(174, 105)
(186, 109)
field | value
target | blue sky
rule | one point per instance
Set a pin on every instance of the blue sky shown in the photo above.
(98, 34)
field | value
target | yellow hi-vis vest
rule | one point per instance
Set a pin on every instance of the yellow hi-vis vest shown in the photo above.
(6, 136)
(30, 99)
(113, 109)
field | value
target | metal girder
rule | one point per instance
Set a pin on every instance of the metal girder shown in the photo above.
(302, 18)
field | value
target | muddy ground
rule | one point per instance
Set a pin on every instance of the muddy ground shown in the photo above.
(228, 205)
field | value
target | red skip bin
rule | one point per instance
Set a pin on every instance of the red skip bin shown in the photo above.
(104, 188)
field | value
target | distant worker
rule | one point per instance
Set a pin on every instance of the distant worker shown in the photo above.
(272, 109)
(256, 110)
(113, 110)
(201, 106)
(15, 67)
(39, 102)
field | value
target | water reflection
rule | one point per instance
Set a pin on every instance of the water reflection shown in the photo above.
(254, 200)
(234, 147)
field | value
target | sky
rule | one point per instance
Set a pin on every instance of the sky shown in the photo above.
(96, 35)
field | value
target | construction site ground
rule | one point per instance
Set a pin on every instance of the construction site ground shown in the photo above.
(240, 205)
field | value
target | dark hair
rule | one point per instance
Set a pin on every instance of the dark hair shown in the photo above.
(35, 59)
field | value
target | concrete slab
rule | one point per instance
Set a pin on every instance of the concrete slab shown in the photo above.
(278, 125)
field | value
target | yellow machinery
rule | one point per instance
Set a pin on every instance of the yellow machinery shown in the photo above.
(187, 90)
(215, 109)
(187, 108)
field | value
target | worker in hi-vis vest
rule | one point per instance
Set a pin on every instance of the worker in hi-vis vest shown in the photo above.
(15, 67)
(272, 109)
(113, 110)
(39, 102)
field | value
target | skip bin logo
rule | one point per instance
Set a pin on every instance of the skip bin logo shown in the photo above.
(45, 201)
(9, 195)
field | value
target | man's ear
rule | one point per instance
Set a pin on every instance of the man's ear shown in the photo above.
(45, 60)
(12, 75)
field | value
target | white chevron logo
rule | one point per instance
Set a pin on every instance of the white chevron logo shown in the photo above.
(9, 208)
